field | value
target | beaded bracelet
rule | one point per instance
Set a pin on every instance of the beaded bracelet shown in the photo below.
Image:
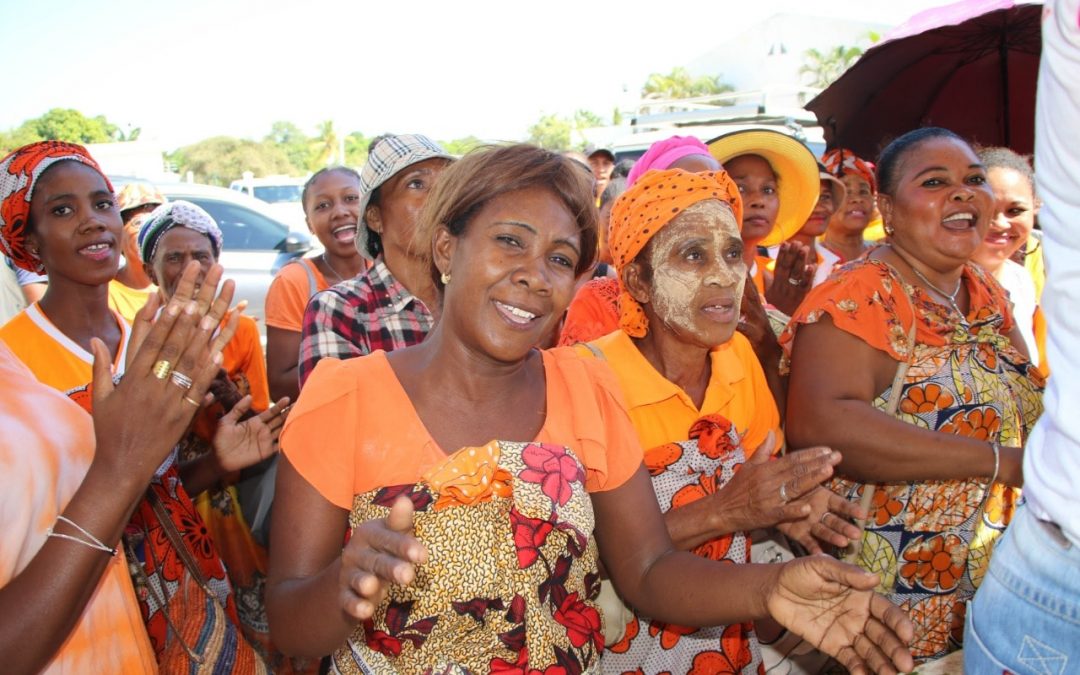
(94, 542)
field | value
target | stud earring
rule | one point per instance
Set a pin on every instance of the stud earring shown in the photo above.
(445, 278)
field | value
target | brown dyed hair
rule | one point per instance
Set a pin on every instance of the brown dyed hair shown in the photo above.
(489, 172)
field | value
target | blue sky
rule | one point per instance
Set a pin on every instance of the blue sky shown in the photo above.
(187, 71)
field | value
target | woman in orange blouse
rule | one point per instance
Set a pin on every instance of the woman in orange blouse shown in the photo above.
(331, 200)
(478, 553)
(943, 468)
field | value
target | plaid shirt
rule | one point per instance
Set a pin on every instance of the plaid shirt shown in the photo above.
(356, 317)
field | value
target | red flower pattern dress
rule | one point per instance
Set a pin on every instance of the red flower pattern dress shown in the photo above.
(931, 540)
(516, 595)
(682, 473)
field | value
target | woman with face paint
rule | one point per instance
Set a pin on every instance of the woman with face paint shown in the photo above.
(701, 406)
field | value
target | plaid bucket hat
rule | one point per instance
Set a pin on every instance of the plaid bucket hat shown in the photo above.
(390, 155)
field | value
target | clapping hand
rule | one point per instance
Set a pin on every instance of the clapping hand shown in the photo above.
(828, 521)
(240, 444)
(792, 277)
(379, 553)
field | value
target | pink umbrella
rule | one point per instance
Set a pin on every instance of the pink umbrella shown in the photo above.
(970, 66)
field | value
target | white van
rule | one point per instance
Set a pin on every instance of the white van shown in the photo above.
(281, 193)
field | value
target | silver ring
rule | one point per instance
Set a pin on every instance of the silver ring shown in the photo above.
(822, 519)
(181, 380)
(794, 282)
(783, 493)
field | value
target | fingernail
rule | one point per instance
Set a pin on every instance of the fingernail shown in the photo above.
(206, 323)
(191, 307)
(217, 359)
(173, 309)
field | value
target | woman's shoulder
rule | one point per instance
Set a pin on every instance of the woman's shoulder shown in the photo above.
(337, 379)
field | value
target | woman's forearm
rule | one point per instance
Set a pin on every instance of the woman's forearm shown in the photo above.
(50, 594)
(306, 618)
(880, 448)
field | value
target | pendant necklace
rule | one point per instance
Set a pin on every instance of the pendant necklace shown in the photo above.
(951, 297)
(331, 267)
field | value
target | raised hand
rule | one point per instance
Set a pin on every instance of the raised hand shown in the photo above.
(831, 605)
(381, 552)
(792, 276)
(175, 342)
(238, 445)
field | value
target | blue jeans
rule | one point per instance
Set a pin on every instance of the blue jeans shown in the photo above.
(1025, 617)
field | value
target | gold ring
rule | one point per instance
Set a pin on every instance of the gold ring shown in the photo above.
(162, 369)
(192, 401)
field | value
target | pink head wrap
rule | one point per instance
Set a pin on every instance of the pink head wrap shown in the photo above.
(662, 154)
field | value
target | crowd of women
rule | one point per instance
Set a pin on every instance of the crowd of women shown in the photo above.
(734, 407)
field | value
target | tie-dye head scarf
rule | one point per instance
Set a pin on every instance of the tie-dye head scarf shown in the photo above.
(662, 154)
(841, 161)
(179, 213)
(19, 174)
(644, 209)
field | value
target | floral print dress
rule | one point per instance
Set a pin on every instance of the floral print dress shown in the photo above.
(931, 540)
(511, 577)
(682, 473)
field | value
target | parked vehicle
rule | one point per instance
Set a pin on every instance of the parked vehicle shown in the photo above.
(282, 194)
(256, 243)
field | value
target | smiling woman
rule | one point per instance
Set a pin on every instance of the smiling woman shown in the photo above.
(935, 390)
(473, 469)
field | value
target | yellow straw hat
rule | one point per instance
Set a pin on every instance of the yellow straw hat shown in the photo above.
(796, 169)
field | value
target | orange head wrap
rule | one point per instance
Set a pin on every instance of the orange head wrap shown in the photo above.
(841, 161)
(643, 210)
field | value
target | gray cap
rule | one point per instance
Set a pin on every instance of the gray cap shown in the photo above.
(390, 155)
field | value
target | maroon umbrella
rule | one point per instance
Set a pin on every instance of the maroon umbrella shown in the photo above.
(970, 67)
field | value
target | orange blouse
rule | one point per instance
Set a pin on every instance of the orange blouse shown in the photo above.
(663, 413)
(289, 292)
(354, 428)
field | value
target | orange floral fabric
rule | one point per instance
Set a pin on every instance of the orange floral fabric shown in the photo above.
(472, 476)
(644, 209)
(682, 473)
(841, 161)
(593, 313)
(931, 540)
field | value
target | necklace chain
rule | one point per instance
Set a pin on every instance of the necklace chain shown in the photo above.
(951, 297)
(327, 263)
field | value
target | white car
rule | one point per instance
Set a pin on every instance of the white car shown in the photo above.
(282, 194)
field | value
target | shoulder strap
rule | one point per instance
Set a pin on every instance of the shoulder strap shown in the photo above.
(313, 286)
(176, 540)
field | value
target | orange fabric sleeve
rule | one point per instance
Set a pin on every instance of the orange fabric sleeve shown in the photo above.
(606, 441)
(244, 355)
(322, 430)
(593, 313)
(288, 295)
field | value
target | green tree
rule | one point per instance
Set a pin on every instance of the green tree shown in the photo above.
(551, 132)
(324, 146)
(62, 124)
(679, 83)
(557, 132)
(822, 68)
(293, 142)
(461, 146)
(356, 149)
(223, 159)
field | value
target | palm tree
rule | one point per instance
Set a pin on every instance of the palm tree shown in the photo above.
(679, 83)
(824, 67)
(325, 146)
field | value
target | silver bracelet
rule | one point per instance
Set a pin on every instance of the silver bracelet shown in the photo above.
(996, 447)
(94, 542)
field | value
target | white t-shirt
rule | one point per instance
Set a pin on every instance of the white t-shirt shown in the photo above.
(1052, 455)
(1017, 281)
